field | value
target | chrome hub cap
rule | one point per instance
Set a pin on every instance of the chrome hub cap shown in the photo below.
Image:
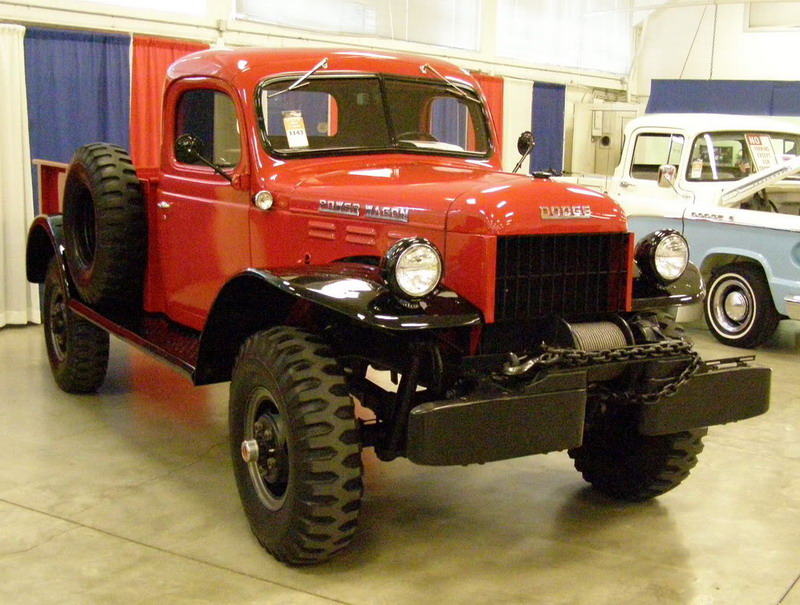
(736, 306)
(732, 305)
(250, 450)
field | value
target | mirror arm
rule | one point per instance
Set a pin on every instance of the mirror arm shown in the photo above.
(525, 144)
(522, 159)
(216, 168)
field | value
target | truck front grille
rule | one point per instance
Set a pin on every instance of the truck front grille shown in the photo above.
(539, 275)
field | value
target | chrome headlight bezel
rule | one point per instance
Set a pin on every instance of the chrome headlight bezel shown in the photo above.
(663, 255)
(398, 268)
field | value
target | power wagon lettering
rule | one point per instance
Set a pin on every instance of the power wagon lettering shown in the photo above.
(386, 213)
(335, 207)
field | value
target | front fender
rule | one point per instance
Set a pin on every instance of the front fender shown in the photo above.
(358, 292)
(258, 299)
(45, 240)
(689, 289)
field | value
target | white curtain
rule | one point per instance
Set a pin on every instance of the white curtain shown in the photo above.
(19, 300)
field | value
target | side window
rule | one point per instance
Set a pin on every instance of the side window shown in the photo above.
(653, 150)
(210, 115)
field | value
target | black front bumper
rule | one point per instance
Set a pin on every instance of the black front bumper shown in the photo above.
(500, 422)
(717, 394)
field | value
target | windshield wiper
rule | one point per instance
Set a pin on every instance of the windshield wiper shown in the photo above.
(462, 93)
(301, 81)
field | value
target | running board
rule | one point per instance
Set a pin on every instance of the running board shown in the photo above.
(152, 333)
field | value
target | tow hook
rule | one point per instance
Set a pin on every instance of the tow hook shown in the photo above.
(516, 366)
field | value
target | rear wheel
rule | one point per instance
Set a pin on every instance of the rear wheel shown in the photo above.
(295, 446)
(739, 309)
(624, 464)
(77, 349)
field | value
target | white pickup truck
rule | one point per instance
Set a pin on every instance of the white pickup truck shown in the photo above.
(729, 184)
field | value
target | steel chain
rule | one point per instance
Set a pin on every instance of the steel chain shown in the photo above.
(575, 358)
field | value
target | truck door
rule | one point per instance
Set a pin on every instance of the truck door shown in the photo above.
(648, 206)
(203, 215)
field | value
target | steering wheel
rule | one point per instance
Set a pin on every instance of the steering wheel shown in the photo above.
(416, 135)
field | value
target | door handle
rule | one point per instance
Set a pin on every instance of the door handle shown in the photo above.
(625, 184)
(164, 205)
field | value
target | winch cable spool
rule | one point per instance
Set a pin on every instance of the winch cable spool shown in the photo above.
(598, 335)
(593, 343)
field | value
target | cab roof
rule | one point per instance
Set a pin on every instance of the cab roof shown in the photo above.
(691, 123)
(246, 67)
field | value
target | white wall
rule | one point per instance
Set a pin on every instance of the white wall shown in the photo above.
(677, 44)
(516, 119)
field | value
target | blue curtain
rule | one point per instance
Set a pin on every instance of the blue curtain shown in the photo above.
(548, 126)
(743, 97)
(449, 121)
(78, 90)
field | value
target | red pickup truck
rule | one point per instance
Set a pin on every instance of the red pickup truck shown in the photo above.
(320, 215)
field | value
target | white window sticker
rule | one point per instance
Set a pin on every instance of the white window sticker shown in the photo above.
(761, 150)
(295, 129)
(697, 168)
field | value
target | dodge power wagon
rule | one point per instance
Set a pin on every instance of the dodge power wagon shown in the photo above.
(321, 217)
(725, 182)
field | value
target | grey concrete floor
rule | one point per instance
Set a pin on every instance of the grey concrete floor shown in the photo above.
(127, 496)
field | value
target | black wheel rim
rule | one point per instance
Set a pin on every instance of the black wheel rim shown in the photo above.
(85, 236)
(57, 325)
(269, 471)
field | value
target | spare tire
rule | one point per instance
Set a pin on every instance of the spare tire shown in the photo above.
(105, 228)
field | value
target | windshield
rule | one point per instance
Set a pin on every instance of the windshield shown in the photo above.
(373, 113)
(730, 156)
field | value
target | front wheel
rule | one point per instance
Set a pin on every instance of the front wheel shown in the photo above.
(621, 463)
(739, 309)
(295, 445)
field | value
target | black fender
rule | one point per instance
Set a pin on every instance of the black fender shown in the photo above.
(688, 289)
(45, 240)
(358, 292)
(257, 299)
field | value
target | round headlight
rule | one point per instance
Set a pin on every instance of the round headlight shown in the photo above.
(663, 255)
(413, 268)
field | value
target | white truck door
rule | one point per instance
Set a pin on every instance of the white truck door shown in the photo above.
(648, 206)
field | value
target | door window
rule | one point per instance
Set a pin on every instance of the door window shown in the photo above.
(210, 115)
(652, 150)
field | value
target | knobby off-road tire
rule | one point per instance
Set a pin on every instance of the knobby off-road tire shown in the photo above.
(76, 348)
(295, 445)
(105, 227)
(739, 308)
(621, 463)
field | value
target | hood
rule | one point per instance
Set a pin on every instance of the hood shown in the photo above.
(518, 205)
(459, 196)
(748, 186)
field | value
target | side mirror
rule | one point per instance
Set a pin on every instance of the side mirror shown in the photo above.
(525, 142)
(525, 145)
(666, 175)
(188, 149)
